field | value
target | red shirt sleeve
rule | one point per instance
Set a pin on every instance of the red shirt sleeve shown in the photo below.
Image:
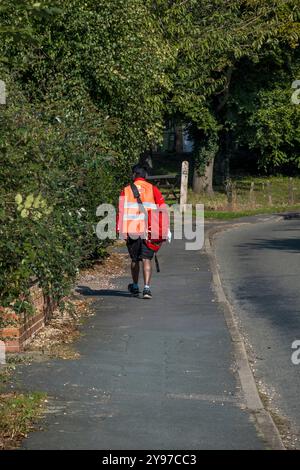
(158, 197)
(163, 217)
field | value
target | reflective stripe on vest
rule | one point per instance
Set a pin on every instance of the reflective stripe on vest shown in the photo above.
(134, 205)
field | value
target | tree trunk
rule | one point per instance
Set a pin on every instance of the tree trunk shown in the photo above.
(178, 139)
(146, 159)
(204, 183)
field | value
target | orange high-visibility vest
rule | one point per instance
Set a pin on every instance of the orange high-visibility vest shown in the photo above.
(134, 221)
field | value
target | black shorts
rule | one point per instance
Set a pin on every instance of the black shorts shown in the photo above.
(138, 249)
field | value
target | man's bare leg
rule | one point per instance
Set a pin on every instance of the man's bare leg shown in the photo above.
(147, 271)
(135, 271)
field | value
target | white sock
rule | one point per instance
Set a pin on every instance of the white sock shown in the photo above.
(146, 286)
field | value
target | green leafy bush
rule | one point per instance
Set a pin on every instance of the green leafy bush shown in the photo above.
(86, 85)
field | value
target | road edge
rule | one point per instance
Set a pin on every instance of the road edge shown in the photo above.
(263, 418)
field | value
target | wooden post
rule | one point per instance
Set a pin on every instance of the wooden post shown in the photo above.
(234, 196)
(252, 195)
(291, 192)
(269, 193)
(184, 184)
(228, 186)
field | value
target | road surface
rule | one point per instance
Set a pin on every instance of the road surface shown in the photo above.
(260, 271)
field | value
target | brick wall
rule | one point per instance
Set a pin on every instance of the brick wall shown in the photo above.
(21, 329)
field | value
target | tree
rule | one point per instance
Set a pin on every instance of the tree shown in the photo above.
(264, 121)
(211, 42)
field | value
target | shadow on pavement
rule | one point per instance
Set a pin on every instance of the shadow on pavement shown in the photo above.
(290, 244)
(85, 290)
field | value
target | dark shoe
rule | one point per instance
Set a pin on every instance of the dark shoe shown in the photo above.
(147, 293)
(133, 290)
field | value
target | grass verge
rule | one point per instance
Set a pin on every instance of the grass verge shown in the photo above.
(18, 415)
(268, 196)
(227, 215)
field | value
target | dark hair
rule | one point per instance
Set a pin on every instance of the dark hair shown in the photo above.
(140, 170)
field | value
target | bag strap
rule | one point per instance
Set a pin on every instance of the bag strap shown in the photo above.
(156, 263)
(137, 195)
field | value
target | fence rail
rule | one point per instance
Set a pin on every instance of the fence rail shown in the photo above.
(257, 194)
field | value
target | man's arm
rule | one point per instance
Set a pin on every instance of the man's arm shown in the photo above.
(158, 197)
(164, 230)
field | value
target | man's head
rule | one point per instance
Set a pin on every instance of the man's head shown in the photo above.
(139, 171)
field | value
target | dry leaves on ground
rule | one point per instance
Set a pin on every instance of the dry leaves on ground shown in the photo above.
(57, 338)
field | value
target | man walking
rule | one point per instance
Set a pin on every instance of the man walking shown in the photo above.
(144, 223)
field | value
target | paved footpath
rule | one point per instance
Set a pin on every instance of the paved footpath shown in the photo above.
(153, 374)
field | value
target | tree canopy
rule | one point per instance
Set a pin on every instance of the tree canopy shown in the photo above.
(214, 42)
